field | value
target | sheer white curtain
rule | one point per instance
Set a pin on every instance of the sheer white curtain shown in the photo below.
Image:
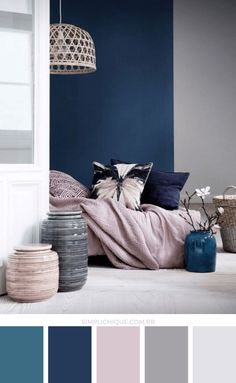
(18, 6)
(16, 81)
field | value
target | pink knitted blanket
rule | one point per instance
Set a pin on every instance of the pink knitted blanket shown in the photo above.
(150, 239)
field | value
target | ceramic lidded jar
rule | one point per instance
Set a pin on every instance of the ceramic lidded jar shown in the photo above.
(32, 273)
(200, 252)
(67, 232)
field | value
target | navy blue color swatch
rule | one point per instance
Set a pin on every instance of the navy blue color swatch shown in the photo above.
(125, 108)
(69, 354)
(21, 354)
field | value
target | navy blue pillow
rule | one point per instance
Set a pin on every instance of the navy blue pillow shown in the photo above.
(162, 188)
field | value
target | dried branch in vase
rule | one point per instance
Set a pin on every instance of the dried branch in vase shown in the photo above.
(211, 221)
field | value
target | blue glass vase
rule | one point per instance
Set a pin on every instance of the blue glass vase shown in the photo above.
(200, 252)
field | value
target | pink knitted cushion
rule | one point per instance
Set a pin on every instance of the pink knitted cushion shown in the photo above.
(63, 186)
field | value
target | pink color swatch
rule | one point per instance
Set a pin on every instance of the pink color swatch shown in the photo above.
(118, 355)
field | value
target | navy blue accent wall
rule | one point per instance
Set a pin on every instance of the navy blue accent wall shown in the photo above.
(125, 109)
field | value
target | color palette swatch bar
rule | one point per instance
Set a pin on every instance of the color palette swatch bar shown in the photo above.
(166, 354)
(21, 354)
(118, 355)
(69, 354)
(214, 354)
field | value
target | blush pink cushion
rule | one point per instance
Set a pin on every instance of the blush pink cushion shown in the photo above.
(63, 186)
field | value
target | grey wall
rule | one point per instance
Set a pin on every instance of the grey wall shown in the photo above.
(205, 91)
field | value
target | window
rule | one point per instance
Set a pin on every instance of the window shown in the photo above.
(16, 81)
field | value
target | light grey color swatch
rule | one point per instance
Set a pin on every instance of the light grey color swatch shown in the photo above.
(166, 354)
(214, 354)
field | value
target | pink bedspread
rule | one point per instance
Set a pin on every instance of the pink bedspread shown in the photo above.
(150, 239)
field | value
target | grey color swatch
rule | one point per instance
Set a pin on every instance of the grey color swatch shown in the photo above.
(214, 354)
(166, 354)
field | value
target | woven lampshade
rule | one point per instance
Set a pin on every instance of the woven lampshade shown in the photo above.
(72, 50)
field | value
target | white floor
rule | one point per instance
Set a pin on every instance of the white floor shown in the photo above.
(112, 291)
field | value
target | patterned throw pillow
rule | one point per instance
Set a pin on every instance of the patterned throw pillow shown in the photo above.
(162, 188)
(63, 186)
(122, 182)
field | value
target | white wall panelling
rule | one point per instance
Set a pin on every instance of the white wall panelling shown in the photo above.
(25, 213)
(24, 188)
(3, 231)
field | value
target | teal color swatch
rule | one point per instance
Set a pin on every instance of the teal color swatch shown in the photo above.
(21, 354)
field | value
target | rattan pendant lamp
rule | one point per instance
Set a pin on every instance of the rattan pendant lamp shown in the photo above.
(72, 49)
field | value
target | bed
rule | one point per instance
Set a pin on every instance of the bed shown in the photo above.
(149, 239)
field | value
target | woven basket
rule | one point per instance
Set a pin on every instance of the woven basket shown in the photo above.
(227, 220)
(32, 273)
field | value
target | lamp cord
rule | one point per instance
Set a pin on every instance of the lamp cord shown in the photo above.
(60, 11)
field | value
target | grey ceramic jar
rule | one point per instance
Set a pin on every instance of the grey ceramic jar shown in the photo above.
(67, 232)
